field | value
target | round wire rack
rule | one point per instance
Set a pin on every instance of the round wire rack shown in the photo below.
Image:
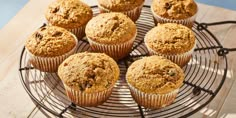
(205, 75)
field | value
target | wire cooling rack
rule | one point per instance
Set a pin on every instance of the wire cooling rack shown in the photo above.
(205, 75)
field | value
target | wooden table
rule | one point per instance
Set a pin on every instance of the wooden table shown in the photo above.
(15, 102)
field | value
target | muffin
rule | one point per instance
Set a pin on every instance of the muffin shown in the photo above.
(72, 15)
(154, 81)
(49, 46)
(131, 8)
(111, 33)
(174, 11)
(173, 41)
(88, 78)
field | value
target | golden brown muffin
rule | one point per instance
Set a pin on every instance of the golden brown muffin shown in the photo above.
(155, 75)
(89, 72)
(174, 9)
(170, 39)
(50, 41)
(68, 14)
(111, 28)
(120, 5)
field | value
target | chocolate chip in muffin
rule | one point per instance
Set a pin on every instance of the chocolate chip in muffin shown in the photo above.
(38, 36)
(82, 87)
(115, 26)
(56, 9)
(168, 6)
(56, 34)
(65, 64)
(115, 18)
(66, 16)
(44, 25)
(43, 28)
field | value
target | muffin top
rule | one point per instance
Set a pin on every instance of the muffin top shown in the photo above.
(50, 41)
(111, 28)
(68, 13)
(155, 75)
(120, 5)
(89, 72)
(174, 9)
(170, 38)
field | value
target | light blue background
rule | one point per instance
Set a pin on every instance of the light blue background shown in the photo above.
(229, 4)
(8, 8)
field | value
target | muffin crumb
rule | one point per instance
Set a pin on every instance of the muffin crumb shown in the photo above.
(111, 28)
(89, 72)
(68, 14)
(174, 9)
(170, 38)
(50, 41)
(120, 5)
(155, 74)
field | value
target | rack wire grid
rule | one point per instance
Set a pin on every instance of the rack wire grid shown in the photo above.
(205, 75)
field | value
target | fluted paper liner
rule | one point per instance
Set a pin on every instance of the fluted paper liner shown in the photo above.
(179, 59)
(87, 99)
(153, 101)
(116, 51)
(79, 32)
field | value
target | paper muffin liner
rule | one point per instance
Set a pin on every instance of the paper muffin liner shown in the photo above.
(179, 59)
(50, 64)
(133, 14)
(153, 101)
(79, 32)
(187, 22)
(116, 51)
(87, 99)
